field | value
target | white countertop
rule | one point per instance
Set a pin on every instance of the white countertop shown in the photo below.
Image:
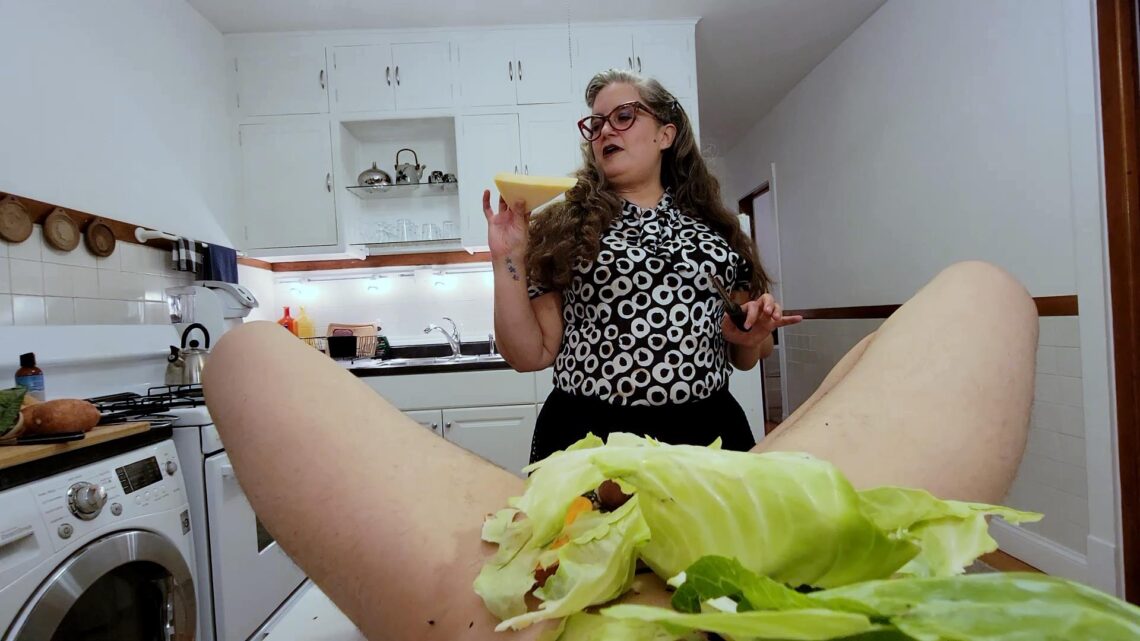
(311, 616)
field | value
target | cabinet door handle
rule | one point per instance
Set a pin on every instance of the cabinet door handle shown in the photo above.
(397, 75)
(520, 69)
(629, 62)
(639, 64)
(447, 425)
(526, 169)
(388, 75)
(434, 426)
(516, 169)
(328, 183)
(321, 77)
(511, 69)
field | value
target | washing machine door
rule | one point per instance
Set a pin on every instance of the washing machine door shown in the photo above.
(126, 586)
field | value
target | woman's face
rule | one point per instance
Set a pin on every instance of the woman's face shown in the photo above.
(634, 155)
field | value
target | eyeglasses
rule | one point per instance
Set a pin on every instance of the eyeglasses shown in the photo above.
(620, 118)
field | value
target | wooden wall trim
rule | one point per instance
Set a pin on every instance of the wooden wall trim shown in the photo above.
(1120, 98)
(1046, 306)
(124, 231)
(389, 260)
(253, 262)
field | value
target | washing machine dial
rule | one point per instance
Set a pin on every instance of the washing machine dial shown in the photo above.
(86, 500)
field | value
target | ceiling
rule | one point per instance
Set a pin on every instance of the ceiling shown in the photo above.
(750, 53)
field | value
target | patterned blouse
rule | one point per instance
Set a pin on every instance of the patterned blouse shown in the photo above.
(642, 320)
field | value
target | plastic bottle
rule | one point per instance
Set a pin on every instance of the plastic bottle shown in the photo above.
(305, 326)
(30, 377)
(288, 322)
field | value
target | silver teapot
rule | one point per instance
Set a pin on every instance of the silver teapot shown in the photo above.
(408, 173)
(374, 177)
(184, 366)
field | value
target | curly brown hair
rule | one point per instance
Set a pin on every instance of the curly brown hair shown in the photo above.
(571, 230)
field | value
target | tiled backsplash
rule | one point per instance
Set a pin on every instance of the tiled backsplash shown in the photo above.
(40, 285)
(402, 302)
(1052, 477)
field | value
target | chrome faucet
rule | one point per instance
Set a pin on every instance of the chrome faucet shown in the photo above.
(452, 338)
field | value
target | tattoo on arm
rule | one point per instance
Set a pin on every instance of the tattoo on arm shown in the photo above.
(512, 269)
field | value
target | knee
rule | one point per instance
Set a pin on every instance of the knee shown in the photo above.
(987, 289)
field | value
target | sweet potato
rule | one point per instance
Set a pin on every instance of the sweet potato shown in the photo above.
(62, 415)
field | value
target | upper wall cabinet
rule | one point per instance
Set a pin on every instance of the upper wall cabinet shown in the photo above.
(282, 76)
(523, 67)
(287, 184)
(388, 77)
(662, 52)
(362, 78)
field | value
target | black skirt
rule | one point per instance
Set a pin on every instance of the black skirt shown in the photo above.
(566, 418)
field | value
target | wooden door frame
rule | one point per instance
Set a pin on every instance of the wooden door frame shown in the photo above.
(1120, 99)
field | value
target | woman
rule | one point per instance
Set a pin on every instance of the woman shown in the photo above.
(621, 298)
(385, 516)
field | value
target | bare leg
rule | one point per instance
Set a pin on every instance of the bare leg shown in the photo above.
(836, 374)
(939, 398)
(383, 515)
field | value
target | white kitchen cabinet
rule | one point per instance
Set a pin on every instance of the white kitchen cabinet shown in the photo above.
(691, 110)
(487, 70)
(287, 198)
(551, 144)
(285, 76)
(543, 67)
(596, 49)
(486, 145)
(387, 77)
(362, 78)
(664, 52)
(422, 74)
(431, 419)
(501, 434)
(500, 68)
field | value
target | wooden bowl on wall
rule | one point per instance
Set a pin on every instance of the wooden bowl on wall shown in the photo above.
(15, 223)
(100, 238)
(60, 231)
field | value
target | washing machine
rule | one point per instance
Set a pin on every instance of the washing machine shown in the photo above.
(99, 552)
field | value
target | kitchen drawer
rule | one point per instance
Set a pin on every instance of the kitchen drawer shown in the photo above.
(458, 389)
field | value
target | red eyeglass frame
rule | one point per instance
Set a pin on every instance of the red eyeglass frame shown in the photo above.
(590, 136)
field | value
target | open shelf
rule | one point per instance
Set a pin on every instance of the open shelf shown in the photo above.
(405, 190)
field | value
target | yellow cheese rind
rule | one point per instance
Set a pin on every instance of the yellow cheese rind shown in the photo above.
(534, 191)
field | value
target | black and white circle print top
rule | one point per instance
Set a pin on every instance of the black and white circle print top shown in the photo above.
(642, 320)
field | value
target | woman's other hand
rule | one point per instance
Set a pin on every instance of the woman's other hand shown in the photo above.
(507, 230)
(762, 317)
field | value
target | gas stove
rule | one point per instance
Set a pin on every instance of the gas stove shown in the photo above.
(160, 406)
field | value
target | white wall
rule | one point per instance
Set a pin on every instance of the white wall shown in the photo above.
(118, 108)
(937, 132)
(40, 285)
(943, 131)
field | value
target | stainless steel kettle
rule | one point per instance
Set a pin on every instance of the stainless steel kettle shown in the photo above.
(406, 172)
(184, 365)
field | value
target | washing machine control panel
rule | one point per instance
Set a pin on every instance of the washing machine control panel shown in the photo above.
(117, 489)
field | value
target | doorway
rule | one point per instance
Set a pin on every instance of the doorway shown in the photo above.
(759, 206)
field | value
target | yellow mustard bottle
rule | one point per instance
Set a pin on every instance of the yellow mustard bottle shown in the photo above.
(305, 326)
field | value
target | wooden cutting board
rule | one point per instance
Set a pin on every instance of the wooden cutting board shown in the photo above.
(12, 455)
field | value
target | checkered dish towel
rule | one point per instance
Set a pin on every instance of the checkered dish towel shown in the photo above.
(187, 256)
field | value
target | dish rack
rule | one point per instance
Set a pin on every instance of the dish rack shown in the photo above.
(344, 347)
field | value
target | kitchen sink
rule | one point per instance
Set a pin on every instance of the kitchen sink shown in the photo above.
(424, 361)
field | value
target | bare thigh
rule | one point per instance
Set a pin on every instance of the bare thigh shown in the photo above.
(939, 397)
